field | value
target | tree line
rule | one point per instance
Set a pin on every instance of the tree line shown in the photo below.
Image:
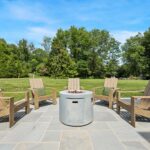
(77, 52)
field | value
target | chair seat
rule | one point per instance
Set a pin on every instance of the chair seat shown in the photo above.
(138, 105)
(127, 100)
(20, 102)
(4, 112)
(101, 97)
(45, 97)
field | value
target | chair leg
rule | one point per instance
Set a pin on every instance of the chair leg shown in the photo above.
(11, 113)
(11, 119)
(54, 97)
(118, 108)
(132, 110)
(93, 100)
(36, 104)
(110, 104)
(54, 102)
(27, 109)
(133, 119)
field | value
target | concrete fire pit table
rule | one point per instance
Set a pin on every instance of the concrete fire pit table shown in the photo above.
(76, 109)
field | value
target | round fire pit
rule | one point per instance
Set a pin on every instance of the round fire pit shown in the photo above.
(76, 109)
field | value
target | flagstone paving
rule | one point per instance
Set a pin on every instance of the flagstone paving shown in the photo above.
(42, 130)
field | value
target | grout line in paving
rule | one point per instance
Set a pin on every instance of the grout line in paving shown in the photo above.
(116, 136)
(92, 145)
(72, 130)
(146, 144)
(61, 135)
(45, 130)
(15, 146)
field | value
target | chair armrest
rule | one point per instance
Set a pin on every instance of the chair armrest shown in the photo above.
(119, 93)
(140, 91)
(136, 97)
(133, 98)
(7, 98)
(14, 92)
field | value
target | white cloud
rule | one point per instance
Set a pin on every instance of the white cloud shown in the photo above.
(122, 36)
(36, 34)
(41, 31)
(21, 11)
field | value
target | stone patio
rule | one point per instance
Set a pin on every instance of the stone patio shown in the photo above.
(41, 130)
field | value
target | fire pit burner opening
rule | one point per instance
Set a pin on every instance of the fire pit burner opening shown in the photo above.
(75, 91)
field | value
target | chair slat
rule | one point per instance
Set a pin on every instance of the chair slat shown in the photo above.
(111, 82)
(36, 83)
(145, 103)
(147, 89)
(73, 84)
(3, 103)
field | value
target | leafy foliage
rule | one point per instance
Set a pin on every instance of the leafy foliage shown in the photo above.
(77, 52)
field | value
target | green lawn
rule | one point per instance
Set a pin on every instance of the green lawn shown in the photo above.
(15, 84)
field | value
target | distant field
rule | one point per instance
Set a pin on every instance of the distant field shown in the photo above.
(22, 84)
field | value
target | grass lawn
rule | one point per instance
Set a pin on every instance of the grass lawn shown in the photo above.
(21, 84)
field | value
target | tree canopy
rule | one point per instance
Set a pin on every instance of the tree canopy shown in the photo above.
(77, 52)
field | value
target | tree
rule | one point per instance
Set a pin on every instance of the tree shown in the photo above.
(133, 55)
(38, 61)
(10, 63)
(146, 45)
(24, 52)
(83, 69)
(3, 58)
(72, 52)
(78, 43)
(123, 71)
(46, 43)
(105, 51)
(60, 64)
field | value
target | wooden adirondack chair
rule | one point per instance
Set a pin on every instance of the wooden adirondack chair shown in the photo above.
(141, 108)
(111, 84)
(74, 85)
(8, 107)
(36, 85)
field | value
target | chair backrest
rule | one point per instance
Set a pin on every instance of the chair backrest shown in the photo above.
(111, 82)
(36, 83)
(147, 89)
(1, 100)
(3, 104)
(73, 84)
(146, 102)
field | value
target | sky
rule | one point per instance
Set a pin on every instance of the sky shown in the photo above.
(34, 19)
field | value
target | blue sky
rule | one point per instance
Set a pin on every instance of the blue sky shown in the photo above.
(37, 18)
